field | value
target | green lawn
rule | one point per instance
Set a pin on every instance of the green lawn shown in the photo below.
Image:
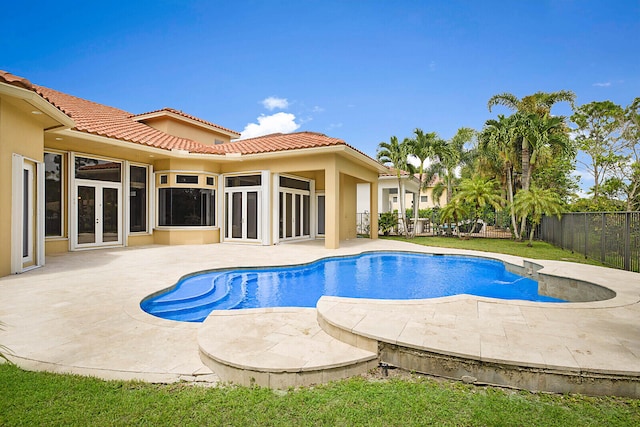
(36, 398)
(540, 250)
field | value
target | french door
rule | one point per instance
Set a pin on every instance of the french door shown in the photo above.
(294, 208)
(98, 215)
(242, 214)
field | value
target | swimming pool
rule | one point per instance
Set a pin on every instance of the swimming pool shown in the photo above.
(379, 275)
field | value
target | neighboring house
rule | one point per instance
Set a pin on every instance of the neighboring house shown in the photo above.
(427, 201)
(388, 199)
(79, 175)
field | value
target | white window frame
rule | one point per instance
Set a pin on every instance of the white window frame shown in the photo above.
(63, 194)
(73, 211)
(35, 232)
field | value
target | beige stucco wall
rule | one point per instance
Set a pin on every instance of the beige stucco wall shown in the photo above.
(20, 133)
(184, 130)
(196, 236)
(348, 199)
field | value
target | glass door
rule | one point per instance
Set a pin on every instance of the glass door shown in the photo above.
(242, 214)
(98, 214)
(294, 207)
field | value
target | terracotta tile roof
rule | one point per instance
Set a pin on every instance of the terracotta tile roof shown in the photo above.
(392, 172)
(188, 116)
(102, 120)
(280, 142)
(14, 80)
(98, 119)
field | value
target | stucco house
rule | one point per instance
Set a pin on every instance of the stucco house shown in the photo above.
(79, 175)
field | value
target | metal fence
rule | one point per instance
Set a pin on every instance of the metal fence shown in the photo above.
(612, 238)
(492, 224)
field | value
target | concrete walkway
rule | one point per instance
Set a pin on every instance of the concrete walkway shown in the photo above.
(80, 313)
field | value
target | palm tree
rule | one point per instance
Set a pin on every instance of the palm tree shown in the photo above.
(422, 147)
(479, 193)
(395, 154)
(537, 202)
(449, 155)
(529, 109)
(454, 211)
(539, 104)
(497, 138)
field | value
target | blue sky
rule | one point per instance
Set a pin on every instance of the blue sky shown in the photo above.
(357, 70)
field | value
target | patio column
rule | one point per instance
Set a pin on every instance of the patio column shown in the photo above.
(332, 206)
(373, 209)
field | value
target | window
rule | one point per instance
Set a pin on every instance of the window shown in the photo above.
(53, 194)
(187, 179)
(98, 170)
(191, 207)
(321, 213)
(243, 181)
(137, 199)
(210, 180)
(163, 179)
(294, 183)
(424, 199)
(395, 199)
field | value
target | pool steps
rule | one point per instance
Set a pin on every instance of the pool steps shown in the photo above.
(220, 292)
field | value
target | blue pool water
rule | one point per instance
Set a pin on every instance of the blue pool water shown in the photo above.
(380, 275)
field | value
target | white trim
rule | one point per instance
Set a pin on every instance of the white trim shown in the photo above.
(63, 193)
(298, 214)
(126, 178)
(264, 208)
(73, 205)
(40, 214)
(16, 213)
(275, 209)
(320, 193)
(31, 194)
(35, 221)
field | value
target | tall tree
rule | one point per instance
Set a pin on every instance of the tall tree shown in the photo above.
(536, 202)
(597, 130)
(496, 143)
(448, 155)
(630, 173)
(395, 154)
(539, 104)
(422, 146)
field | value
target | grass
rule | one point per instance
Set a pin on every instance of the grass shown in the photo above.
(540, 250)
(38, 398)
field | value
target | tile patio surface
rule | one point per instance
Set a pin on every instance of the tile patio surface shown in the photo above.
(80, 313)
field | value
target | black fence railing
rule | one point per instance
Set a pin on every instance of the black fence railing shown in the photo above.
(612, 238)
(492, 225)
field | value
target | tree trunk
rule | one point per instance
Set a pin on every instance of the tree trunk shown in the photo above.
(526, 176)
(402, 212)
(514, 223)
(530, 244)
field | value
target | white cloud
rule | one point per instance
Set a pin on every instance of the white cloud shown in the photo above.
(275, 123)
(432, 66)
(271, 103)
(334, 126)
(317, 109)
(603, 84)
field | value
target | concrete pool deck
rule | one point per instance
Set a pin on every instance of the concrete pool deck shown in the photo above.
(80, 314)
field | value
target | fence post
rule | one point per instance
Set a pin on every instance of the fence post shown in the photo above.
(603, 236)
(627, 241)
(586, 236)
